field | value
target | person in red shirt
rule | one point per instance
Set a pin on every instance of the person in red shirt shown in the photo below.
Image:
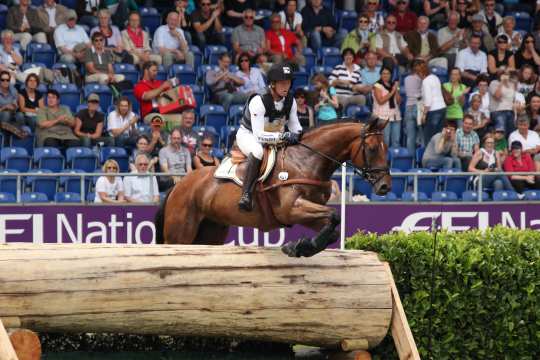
(280, 43)
(406, 19)
(520, 161)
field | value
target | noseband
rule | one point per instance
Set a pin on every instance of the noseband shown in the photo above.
(373, 174)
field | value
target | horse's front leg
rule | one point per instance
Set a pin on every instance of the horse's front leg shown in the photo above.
(318, 217)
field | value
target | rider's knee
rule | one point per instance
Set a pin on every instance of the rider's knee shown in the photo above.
(258, 152)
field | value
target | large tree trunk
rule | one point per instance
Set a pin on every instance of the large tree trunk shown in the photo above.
(251, 293)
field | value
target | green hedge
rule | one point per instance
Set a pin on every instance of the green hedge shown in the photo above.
(487, 291)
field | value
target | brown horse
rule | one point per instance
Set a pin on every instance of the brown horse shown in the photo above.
(200, 208)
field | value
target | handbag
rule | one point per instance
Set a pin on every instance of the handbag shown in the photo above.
(447, 96)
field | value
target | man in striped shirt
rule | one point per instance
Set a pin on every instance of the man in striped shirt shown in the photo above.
(347, 80)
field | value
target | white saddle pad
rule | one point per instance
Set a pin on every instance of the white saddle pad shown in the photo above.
(227, 170)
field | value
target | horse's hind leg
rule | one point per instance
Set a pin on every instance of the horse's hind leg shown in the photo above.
(318, 217)
(211, 233)
(181, 225)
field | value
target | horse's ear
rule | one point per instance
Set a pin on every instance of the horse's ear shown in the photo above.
(373, 124)
(382, 124)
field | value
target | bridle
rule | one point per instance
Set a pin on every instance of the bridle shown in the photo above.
(372, 174)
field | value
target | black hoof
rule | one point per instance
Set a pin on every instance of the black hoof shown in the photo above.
(245, 204)
(301, 247)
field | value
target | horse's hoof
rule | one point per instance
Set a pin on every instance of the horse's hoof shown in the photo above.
(289, 249)
(302, 247)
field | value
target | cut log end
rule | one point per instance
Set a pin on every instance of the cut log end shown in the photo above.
(26, 344)
(354, 344)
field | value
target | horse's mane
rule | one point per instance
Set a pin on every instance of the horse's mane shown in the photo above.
(324, 127)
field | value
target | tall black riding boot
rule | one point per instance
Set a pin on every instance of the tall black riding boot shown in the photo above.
(252, 173)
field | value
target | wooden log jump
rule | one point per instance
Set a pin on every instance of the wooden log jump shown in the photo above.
(253, 293)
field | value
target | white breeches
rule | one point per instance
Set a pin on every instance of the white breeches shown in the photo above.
(248, 144)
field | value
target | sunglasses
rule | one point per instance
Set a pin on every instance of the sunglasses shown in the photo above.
(529, 41)
(142, 164)
(244, 60)
(249, 17)
(5, 80)
(206, 145)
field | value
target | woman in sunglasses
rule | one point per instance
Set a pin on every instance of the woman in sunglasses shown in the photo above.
(501, 58)
(109, 187)
(253, 78)
(527, 53)
(204, 155)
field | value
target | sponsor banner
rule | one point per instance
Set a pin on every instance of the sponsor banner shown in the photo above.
(135, 225)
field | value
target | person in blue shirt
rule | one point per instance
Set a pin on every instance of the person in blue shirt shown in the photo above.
(371, 73)
(328, 103)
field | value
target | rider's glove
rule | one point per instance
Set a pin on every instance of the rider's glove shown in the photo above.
(290, 138)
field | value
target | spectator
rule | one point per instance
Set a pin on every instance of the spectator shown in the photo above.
(437, 11)
(442, 151)
(320, 26)
(482, 84)
(492, 18)
(459, 91)
(112, 36)
(99, 63)
(465, 14)
(488, 160)
(252, 76)
(501, 144)
(423, 44)
(119, 10)
(303, 110)
(89, 124)
(67, 35)
(451, 39)
(174, 158)
(434, 110)
(248, 37)
(170, 43)
(235, 11)
(371, 73)
(158, 134)
(533, 113)
(207, 25)
(413, 95)
(142, 188)
(185, 9)
(137, 41)
(513, 37)
(478, 29)
(391, 45)
(500, 59)
(376, 17)
(527, 78)
(224, 85)
(30, 99)
(143, 147)
(87, 11)
(121, 123)
(359, 39)
(468, 142)
(148, 90)
(54, 14)
(27, 24)
(8, 101)
(109, 188)
(480, 119)
(502, 94)
(327, 101)
(347, 80)
(471, 61)
(291, 20)
(527, 53)
(204, 155)
(10, 58)
(405, 18)
(520, 161)
(386, 106)
(55, 124)
(283, 45)
(190, 138)
(529, 139)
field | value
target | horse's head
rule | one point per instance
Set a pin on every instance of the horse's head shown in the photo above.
(369, 154)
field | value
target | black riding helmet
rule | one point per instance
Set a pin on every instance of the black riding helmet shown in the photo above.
(279, 72)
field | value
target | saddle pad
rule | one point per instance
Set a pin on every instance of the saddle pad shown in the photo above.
(227, 170)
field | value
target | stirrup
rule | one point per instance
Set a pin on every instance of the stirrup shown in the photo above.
(246, 202)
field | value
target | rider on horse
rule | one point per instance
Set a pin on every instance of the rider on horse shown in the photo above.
(265, 117)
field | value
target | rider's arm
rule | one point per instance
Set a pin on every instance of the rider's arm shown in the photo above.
(257, 111)
(294, 123)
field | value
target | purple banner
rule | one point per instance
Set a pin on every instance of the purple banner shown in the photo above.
(135, 225)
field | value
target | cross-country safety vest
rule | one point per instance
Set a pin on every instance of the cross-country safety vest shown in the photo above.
(274, 120)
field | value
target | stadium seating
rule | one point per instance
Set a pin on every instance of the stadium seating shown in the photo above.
(444, 196)
(67, 197)
(184, 73)
(26, 143)
(45, 185)
(15, 158)
(330, 56)
(103, 91)
(473, 196)
(504, 195)
(41, 53)
(532, 195)
(34, 197)
(7, 198)
(8, 184)
(118, 154)
(380, 198)
(150, 18)
(81, 158)
(426, 184)
(70, 95)
(399, 183)
(409, 197)
(212, 53)
(400, 158)
(129, 71)
(213, 115)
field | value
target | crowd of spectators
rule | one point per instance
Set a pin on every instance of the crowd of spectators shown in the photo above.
(458, 78)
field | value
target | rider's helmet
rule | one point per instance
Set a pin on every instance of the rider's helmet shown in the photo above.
(280, 72)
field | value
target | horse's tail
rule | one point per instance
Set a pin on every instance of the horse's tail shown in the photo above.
(159, 219)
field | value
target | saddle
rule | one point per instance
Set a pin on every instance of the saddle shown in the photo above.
(233, 167)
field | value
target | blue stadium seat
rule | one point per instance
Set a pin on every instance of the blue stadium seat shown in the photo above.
(212, 53)
(150, 18)
(118, 154)
(235, 114)
(357, 112)
(311, 58)
(426, 184)
(408, 196)
(8, 184)
(129, 71)
(90, 197)
(67, 197)
(81, 158)
(227, 32)
(46, 185)
(41, 53)
(185, 74)
(3, 14)
(505, 195)
(71, 4)
(348, 20)
(201, 73)
(419, 156)
(523, 20)
(70, 95)
(34, 197)
(441, 73)
(264, 15)
(400, 158)
(326, 70)
(73, 183)
(29, 65)
(197, 56)
(473, 196)
(26, 143)
(381, 198)
(228, 136)
(213, 115)
(15, 158)
(198, 93)
(330, 56)
(532, 195)
(7, 198)
(444, 196)
(361, 186)
(217, 152)
(103, 91)
(301, 78)
(207, 130)
(162, 73)
(399, 183)
(456, 184)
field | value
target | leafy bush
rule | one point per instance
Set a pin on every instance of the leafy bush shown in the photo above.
(486, 291)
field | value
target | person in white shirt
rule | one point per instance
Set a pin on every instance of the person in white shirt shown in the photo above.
(170, 43)
(56, 15)
(513, 36)
(291, 20)
(121, 123)
(390, 44)
(451, 39)
(434, 112)
(528, 138)
(471, 61)
(141, 189)
(67, 36)
(110, 188)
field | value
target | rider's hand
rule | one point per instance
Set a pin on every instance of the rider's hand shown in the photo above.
(290, 138)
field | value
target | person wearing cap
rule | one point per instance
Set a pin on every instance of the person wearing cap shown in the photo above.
(347, 80)
(158, 135)
(263, 123)
(501, 58)
(224, 84)
(472, 61)
(67, 36)
(442, 150)
(423, 44)
(478, 28)
(513, 37)
(89, 124)
(518, 161)
(55, 124)
(27, 24)
(529, 139)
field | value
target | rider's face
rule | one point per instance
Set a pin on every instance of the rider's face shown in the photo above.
(282, 87)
